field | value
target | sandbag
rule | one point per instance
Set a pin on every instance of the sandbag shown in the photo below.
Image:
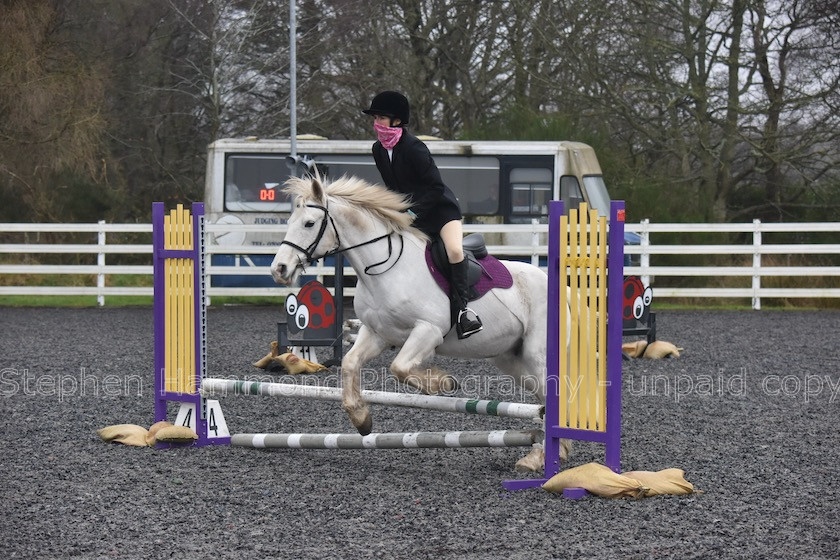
(126, 434)
(176, 434)
(293, 364)
(602, 481)
(151, 437)
(596, 479)
(656, 350)
(659, 349)
(666, 481)
(634, 349)
(138, 436)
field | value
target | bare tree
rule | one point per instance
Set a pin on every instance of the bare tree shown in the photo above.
(700, 93)
(51, 120)
(793, 124)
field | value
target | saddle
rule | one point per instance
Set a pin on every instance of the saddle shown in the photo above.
(474, 251)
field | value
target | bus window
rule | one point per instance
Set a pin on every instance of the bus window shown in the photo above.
(530, 192)
(599, 199)
(253, 183)
(570, 192)
(474, 180)
(363, 167)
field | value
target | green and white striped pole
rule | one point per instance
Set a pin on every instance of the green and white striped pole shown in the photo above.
(220, 387)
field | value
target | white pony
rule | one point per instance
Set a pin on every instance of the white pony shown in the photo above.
(399, 303)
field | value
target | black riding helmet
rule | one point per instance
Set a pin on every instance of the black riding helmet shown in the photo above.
(390, 104)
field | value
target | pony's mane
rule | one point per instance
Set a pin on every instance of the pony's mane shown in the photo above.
(377, 200)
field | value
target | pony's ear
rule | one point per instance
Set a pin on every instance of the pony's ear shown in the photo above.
(317, 190)
(317, 187)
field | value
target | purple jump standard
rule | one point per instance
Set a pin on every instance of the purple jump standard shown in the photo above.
(171, 298)
(555, 375)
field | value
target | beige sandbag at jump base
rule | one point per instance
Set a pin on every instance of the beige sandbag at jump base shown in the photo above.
(666, 481)
(293, 364)
(127, 434)
(596, 479)
(602, 481)
(656, 350)
(661, 349)
(634, 349)
(167, 432)
(138, 436)
(151, 437)
(176, 434)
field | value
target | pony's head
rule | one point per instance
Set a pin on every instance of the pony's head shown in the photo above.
(326, 214)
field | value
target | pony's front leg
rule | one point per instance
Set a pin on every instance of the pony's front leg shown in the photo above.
(368, 345)
(418, 348)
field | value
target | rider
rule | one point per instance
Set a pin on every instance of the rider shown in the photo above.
(407, 167)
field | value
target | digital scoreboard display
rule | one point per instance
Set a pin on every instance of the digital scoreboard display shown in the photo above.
(268, 195)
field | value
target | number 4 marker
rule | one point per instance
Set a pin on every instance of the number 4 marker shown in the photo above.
(216, 425)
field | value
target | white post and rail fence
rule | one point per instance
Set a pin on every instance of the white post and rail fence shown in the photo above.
(683, 262)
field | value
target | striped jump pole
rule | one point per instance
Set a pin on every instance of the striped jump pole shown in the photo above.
(219, 387)
(413, 440)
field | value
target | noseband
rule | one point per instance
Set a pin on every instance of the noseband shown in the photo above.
(310, 251)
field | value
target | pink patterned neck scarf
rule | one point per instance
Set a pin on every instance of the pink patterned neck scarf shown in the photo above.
(388, 135)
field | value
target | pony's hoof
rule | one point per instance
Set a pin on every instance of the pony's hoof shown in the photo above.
(360, 417)
(436, 382)
(366, 426)
(565, 449)
(532, 462)
(448, 385)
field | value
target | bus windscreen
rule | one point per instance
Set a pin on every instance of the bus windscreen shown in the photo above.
(254, 182)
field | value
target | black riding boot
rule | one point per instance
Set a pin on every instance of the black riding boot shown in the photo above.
(459, 292)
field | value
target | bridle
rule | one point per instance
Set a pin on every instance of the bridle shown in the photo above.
(309, 252)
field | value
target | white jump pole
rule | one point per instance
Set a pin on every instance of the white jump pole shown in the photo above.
(220, 387)
(412, 440)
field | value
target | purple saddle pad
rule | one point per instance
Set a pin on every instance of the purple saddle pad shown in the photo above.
(493, 274)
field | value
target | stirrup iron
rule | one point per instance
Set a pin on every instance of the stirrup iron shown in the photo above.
(472, 327)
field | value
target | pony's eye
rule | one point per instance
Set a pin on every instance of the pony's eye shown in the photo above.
(309, 224)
